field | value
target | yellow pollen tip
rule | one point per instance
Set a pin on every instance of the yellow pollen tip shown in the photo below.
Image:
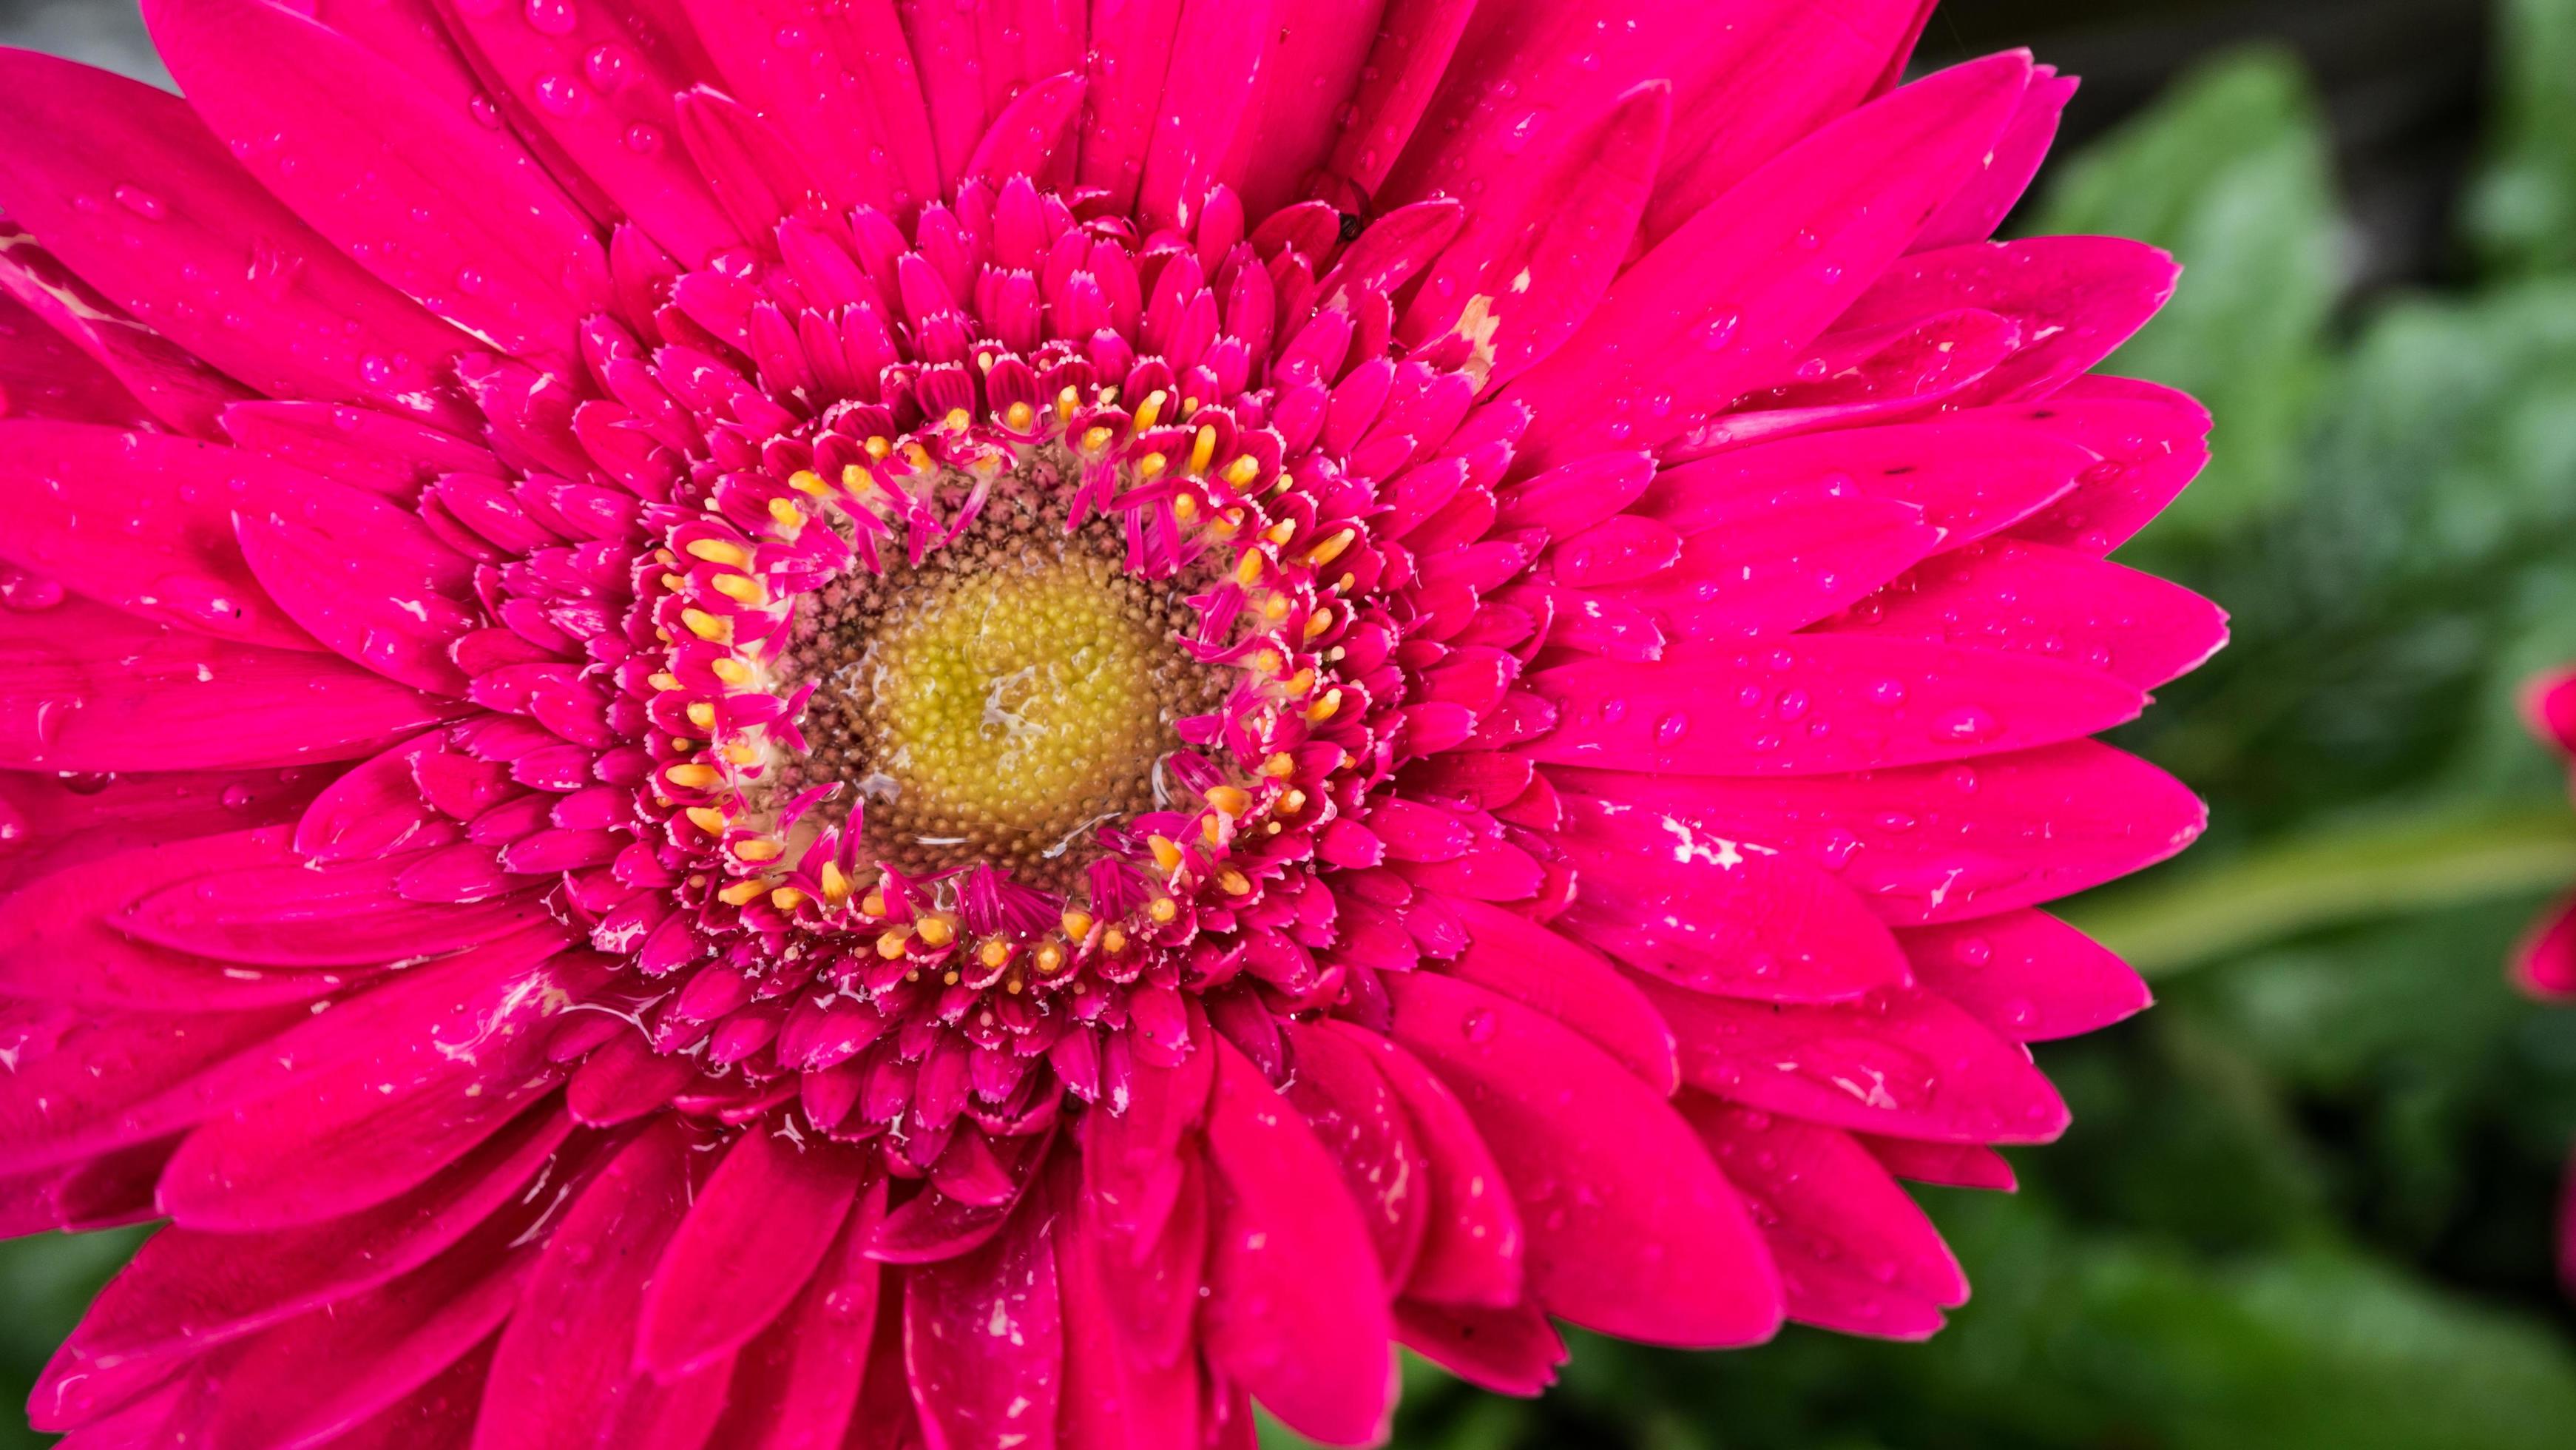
(994, 953)
(880, 446)
(1300, 682)
(935, 931)
(692, 777)
(1243, 470)
(1291, 802)
(1279, 766)
(1077, 924)
(1066, 402)
(1020, 416)
(717, 551)
(890, 945)
(702, 714)
(707, 819)
(1248, 571)
(1203, 449)
(1113, 941)
(1229, 799)
(1185, 507)
(1275, 607)
(742, 752)
(957, 418)
(759, 850)
(731, 671)
(1050, 958)
(835, 883)
(1163, 908)
(741, 588)
(1212, 828)
(1167, 853)
(1329, 550)
(874, 904)
(806, 480)
(1095, 439)
(1324, 706)
(787, 898)
(786, 515)
(743, 893)
(1151, 410)
(1318, 622)
(1281, 532)
(1233, 882)
(666, 681)
(855, 478)
(675, 582)
(1152, 465)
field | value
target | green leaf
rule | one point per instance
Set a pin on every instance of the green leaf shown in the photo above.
(46, 1282)
(2521, 215)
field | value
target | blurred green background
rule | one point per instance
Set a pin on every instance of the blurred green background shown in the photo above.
(2307, 1201)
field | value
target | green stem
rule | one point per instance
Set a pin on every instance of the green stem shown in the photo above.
(2385, 867)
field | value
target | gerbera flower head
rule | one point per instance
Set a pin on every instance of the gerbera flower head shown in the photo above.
(2545, 966)
(884, 723)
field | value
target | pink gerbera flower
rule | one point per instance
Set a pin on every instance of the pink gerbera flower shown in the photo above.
(866, 723)
(2546, 964)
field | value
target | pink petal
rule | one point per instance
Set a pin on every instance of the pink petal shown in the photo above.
(364, 575)
(1941, 843)
(1855, 1253)
(1294, 116)
(374, 809)
(2076, 299)
(1902, 1061)
(1717, 915)
(984, 1340)
(1954, 1165)
(1472, 1247)
(2032, 599)
(1295, 1311)
(1416, 40)
(347, 914)
(2545, 963)
(595, 111)
(2027, 975)
(1123, 94)
(1632, 1231)
(848, 100)
(169, 557)
(1026, 137)
(796, 1385)
(1725, 303)
(174, 384)
(1511, 956)
(1511, 1351)
(88, 688)
(1363, 1124)
(1969, 477)
(360, 447)
(134, 193)
(444, 210)
(752, 1238)
(1534, 261)
(391, 1114)
(186, 1291)
(1982, 205)
(625, 1080)
(562, 1375)
(1113, 1399)
(85, 1083)
(1774, 558)
(1196, 124)
(1818, 704)
(49, 377)
(2153, 442)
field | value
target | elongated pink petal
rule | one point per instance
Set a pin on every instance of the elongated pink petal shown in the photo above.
(1472, 1243)
(1113, 1399)
(172, 559)
(1982, 204)
(1511, 1351)
(1415, 43)
(1773, 558)
(595, 111)
(1903, 1061)
(1123, 92)
(361, 447)
(2076, 298)
(1727, 301)
(1294, 115)
(1363, 1124)
(848, 100)
(135, 194)
(1514, 957)
(304, 915)
(1632, 1231)
(1195, 126)
(186, 1291)
(1937, 843)
(753, 1237)
(984, 1340)
(1855, 1253)
(2545, 962)
(1030, 133)
(563, 1372)
(796, 1385)
(447, 212)
(48, 376)
(383, 1121)
(2153, 442)
(1954, 1165)
(86, 1083)
(88, 688)
(1719, 915)
(364, 575)
(173, 384)
(1819, 704)
(1970, 477)
(1296, 1313)
(2027, 975)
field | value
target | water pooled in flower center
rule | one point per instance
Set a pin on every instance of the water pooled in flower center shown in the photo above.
(999, 700)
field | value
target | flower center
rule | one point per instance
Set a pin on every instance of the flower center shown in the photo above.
(996, 701)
